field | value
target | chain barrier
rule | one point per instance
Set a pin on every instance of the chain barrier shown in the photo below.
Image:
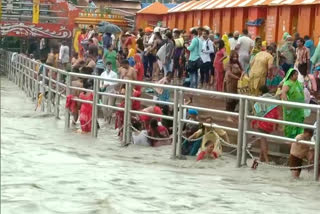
(256, 162)
(191, 140)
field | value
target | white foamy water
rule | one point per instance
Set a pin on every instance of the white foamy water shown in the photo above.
(45, 169)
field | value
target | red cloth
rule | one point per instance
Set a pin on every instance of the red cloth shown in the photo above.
(268, 127)
(203, 154)
(135, 105)
(140, 70)
(156, 110)
(71, 105)
(219, 69)
(146, 119)
(163, 131)
(86, 112)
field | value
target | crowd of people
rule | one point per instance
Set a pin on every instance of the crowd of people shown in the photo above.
(233, 63)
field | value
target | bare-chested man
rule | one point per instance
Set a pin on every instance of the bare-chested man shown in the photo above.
(127, 72)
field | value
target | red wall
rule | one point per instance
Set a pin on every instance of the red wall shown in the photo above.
(316, 24)
(226, 21)
(188, 21)
(304, 20)
(271, 24)
(144, 20)
(216, 21)
(197, 18)
(239, 18)
(206, 18)
(181, 21)
(284, 21)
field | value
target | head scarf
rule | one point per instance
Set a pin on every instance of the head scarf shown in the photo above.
(286, 78)
(309, 44)
(192, 112)
(225, 39)
(285, 35)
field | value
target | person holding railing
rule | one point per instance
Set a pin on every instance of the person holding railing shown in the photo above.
(86, 109)
(300, 151)
(267, 111)
(108, 87)
(158, 131)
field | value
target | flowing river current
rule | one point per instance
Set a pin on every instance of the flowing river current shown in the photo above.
(45, 169)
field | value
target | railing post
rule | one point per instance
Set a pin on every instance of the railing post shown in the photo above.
(240, 132)
(317, 148)
(21, 73)
(126, 113)
(57, 97)
(244, 136)
(43, 88)
(10, 66)
(49, 92)
(128, 136)
(180, 115)
(175, 124)
(29, 69)
(94, 127)
(32, 80)
(67, 113)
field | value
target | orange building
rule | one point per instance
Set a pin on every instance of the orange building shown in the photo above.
(151, 15)
(269, 19)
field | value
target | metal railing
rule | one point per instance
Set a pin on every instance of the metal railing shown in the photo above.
(26, 74)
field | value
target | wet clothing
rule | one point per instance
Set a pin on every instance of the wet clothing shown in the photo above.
(295, 94)
(86, 112)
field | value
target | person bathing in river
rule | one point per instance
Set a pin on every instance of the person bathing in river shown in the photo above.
(268, 111)
(86, 109)
(300, 151)
(158, 131)
(153, 110)
(208, 133)
(208, 153)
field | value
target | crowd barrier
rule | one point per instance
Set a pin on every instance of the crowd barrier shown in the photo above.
(25, 73)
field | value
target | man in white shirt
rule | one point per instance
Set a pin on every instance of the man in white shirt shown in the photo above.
(108, 87)
(206, 51)
(64, 57)
(234, 40)
(244, 47)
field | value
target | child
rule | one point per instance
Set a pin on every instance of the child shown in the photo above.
(208, 153)
(208, 133)
(266, 111)
(86, 109)
(299, 151)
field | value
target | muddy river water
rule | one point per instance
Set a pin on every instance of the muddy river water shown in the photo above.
(45, 169)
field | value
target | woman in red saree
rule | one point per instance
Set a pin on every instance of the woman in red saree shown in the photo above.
(86, 112)
(120, 114)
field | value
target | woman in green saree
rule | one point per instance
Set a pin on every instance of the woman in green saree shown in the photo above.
(292, 90)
